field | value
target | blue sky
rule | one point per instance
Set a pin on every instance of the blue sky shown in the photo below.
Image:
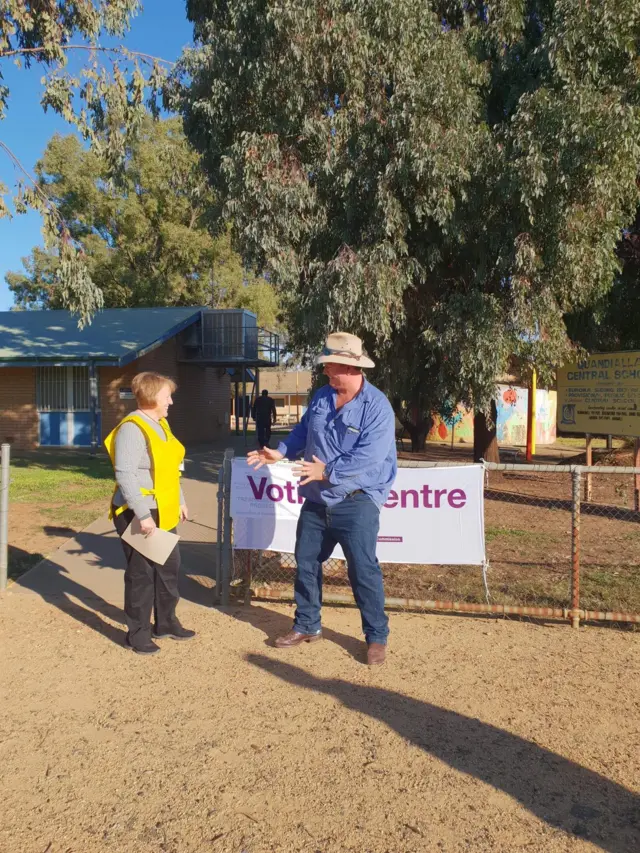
(160, 29)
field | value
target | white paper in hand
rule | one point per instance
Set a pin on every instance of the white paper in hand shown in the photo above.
(156, 547)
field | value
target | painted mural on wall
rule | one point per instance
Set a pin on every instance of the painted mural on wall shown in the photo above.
(457, 424)
(546, 413)
(512, 406)
(512, 403)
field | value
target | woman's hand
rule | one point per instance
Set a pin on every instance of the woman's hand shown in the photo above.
(148, 526)
(184, 513)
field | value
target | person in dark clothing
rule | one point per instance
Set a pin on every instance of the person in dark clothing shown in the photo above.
(264, 414)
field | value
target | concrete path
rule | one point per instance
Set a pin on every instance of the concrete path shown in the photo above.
(89, 568)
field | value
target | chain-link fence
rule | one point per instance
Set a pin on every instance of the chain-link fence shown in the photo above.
(609, 542)
(561, 542)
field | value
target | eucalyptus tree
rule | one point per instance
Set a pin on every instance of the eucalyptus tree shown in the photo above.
(448, 179)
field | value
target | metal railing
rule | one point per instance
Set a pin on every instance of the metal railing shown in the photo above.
(225, 560)
(251, 345)
(551, 553)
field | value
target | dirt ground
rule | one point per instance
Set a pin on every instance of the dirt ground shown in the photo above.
(478, 735)
(34, 532)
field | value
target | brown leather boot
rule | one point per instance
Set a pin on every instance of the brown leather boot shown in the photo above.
(295, 638)
(376, 654)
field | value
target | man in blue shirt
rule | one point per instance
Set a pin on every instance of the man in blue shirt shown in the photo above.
(347, 442)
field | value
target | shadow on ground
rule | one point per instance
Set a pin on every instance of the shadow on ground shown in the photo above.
(54, 583)
(275, 624)
(21, 561)
(563, 794)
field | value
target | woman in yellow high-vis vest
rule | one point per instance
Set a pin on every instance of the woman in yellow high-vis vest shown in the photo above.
(147, 460)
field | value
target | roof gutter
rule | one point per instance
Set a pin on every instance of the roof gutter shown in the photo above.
(60, 362)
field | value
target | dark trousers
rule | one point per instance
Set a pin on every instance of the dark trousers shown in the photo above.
(148, 586)
(353, 524)
(264, 432)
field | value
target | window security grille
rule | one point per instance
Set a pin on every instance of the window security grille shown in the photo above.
(63, 389)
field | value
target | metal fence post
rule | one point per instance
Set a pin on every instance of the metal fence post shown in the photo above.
(588, 462)
(220, 537)
(227, 546)
(4, 516)
(248, 577)
(575, 547)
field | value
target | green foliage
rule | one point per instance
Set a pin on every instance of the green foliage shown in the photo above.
(613, 322)
(450, 180)
(146, 238)
(105, 101)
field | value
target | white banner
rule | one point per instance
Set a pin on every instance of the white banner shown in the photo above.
(434, 516)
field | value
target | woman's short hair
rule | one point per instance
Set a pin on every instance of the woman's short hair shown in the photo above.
(146, 387)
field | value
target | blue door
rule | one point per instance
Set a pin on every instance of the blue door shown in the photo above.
(53, 429)
(82, 429)
(67, 429)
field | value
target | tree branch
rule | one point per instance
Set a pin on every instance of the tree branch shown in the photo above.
(16, 162)
(122, 51)
(129, 256)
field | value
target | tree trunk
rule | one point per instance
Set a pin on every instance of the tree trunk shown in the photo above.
(485, 437)
(418, 429)
(418, 435)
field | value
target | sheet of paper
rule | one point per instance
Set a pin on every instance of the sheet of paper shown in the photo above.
(156, 547)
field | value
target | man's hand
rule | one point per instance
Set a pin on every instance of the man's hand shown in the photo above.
(148, 526)
(266, 456)
(311, 471)
(184, 513)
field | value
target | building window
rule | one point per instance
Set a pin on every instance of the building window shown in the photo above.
(63, 389)
(63, 398)
(51, 389)
(81, 392)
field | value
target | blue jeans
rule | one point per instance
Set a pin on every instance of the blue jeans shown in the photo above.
(353, 524)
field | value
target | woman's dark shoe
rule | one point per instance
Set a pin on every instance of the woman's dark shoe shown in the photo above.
(177, 632)
(147, 648)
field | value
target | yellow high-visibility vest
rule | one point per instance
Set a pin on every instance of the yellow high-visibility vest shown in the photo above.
(166, 459)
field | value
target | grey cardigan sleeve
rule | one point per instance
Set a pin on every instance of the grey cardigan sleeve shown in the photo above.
(130, 446)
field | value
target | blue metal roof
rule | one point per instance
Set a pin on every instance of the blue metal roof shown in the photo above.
(115, 336)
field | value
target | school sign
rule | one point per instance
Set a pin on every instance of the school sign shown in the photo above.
(601, 394)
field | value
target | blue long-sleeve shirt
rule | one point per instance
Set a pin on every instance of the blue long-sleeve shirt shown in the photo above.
(356, 443)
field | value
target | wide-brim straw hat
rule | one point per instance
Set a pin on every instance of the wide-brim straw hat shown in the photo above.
(342, 348)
